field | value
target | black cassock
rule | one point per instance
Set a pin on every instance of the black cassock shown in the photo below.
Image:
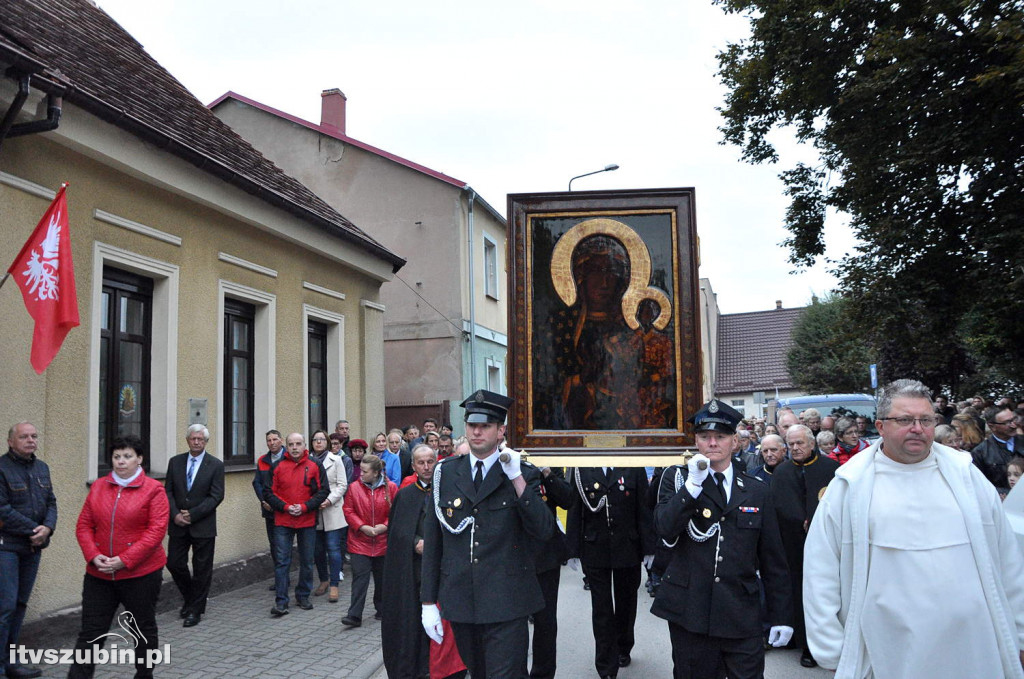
(797, 488)
(405, 645)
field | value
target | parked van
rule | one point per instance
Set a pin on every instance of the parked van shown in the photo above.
(836, 405)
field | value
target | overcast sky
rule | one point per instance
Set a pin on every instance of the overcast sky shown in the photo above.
(510, 98)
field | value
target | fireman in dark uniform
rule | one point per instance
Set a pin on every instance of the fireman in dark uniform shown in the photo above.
(724, 529)
(480, 537)
(610, 531)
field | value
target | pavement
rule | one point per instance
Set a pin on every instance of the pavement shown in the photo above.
(238, 638)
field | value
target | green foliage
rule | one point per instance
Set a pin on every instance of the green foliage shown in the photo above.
(917, 112)
(828, 354)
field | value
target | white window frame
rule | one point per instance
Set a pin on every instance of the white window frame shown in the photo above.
(490, 260)
(494, 364)
(335, 323)
(164, 436)
(265, 346)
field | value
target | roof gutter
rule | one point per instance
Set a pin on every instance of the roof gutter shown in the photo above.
(53, 110)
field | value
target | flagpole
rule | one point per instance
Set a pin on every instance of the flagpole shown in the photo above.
(4, 279)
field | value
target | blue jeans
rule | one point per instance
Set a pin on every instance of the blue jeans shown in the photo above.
(17, 577)
(328, 550)
(306, 538)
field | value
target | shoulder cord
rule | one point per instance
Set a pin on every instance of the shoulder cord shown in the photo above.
(695, 533)
(601, 504)
(457, 530)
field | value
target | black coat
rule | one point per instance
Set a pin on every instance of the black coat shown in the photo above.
(498, 582)
(556, 492)
(620, 533)
(402, 637)
(711, 587)
(201, 502)
(991, 457)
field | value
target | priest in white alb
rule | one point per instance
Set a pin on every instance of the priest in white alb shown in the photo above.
(911, 568)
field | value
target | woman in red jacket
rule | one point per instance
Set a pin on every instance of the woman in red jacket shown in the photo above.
(120, 531)
(367, 505)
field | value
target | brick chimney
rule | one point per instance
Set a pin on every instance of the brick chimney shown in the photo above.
(778, 305)
(332, 110)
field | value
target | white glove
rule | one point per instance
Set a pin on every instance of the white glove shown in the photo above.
(780, 635)
(511, 468)
(574, 564)
(695, 476)
(648, 561)
(431, 617)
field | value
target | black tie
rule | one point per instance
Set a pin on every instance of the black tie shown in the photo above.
(478, 478)
(720, 482)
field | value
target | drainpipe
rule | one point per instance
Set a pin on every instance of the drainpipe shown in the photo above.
(52, 120)
(472, 296)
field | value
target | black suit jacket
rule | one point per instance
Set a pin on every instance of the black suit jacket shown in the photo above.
(499, 582)
(619, 534)
(555, 492)
(201, 502)
(711, 587)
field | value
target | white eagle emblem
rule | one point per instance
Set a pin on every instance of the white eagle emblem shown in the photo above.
(41, 275)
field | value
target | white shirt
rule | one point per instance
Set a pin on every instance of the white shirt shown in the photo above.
(925, 613)
(488, 462)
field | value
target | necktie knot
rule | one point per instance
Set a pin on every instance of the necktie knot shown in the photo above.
(478, 478)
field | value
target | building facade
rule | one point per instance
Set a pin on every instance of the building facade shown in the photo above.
(446, 314)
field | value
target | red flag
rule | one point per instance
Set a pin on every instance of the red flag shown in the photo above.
(46, 275)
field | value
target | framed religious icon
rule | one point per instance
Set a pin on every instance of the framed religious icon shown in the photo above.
(605, 346)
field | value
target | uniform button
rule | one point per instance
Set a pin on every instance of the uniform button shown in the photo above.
(476, 510)
(717, 579)
(478, 561)
(477, 544)
(721, 520)
(721, 558)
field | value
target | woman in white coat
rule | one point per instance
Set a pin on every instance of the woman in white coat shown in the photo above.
(330, 522)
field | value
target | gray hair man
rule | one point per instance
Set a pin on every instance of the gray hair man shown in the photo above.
(939, 561)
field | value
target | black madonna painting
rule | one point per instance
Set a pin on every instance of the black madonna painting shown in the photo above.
(604, 346)
(603, 334)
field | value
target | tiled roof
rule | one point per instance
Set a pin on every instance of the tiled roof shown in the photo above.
(752, 350)
(100, 68)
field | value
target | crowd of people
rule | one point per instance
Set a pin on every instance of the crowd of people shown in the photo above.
(814, 532)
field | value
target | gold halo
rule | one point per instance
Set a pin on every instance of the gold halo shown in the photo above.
(639, 287)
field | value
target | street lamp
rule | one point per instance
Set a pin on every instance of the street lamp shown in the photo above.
(607, 168)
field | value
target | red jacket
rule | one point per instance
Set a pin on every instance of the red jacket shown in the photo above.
(302, 482)
(366, 507)
(128, 522)
(843, 456)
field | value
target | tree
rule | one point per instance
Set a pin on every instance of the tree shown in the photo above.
(915, 110)
(827, 354)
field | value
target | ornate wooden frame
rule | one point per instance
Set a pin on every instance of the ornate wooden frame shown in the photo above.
(656, 230)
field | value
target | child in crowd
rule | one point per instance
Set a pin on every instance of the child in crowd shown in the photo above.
(1014, 470)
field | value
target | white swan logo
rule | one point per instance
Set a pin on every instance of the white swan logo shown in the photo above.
(126, 621)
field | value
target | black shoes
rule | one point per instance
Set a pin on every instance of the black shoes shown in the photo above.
(191, 620)
(806, 660)
(182, 612)
(305, 604)
(624, 660)
(351, 621)
(278, 611)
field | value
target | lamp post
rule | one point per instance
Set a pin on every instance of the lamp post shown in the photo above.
(607, 168)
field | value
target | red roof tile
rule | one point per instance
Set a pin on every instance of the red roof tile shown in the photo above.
(103, 70)
(752, 350)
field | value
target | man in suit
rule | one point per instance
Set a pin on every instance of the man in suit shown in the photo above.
(609, 531)
(724, 529)
(992, 455)
(195, 486)
(480, 536)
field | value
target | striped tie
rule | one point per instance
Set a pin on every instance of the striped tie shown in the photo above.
(191, 473)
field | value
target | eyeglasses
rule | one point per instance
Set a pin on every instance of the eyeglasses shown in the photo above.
(1007, 422)
(925, 422)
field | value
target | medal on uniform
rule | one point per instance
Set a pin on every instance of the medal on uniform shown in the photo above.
(449, 512)
(706, 513)
(457, 502)
(591, 496)
(621, 487)
(596, 485)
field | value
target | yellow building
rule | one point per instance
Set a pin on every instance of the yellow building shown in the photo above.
(212, 286)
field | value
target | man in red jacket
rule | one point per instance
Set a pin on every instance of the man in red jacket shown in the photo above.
(299, 486)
